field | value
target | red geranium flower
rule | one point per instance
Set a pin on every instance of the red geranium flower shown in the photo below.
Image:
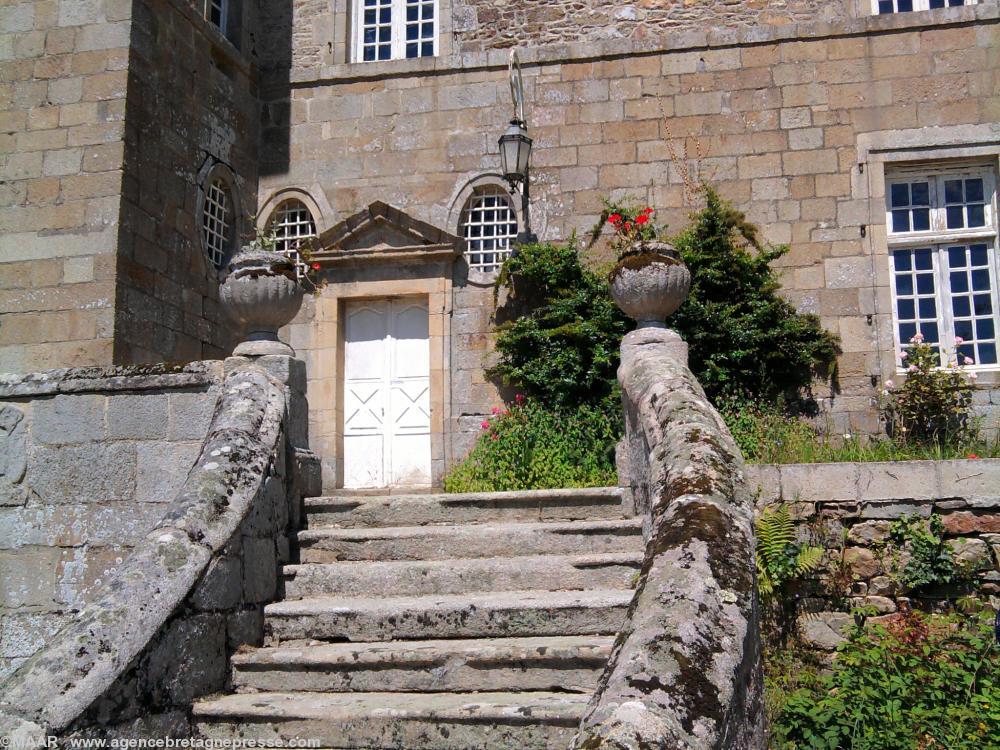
(316, 266)
(642, 218)
(647, 210)
(972, 455)
(615, 219)
(628, 226)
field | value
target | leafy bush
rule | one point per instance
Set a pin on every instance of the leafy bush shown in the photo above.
(531, 447)
(931, 406)
(916, 683)
(560, 332)
(743, 337)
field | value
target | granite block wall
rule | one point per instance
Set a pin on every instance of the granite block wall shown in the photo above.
(793, 123)
(89, 460)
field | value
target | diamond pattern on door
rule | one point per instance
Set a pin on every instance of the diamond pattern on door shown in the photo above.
(387, 394)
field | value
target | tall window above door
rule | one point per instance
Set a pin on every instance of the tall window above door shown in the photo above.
(395, 29)
(941, 224)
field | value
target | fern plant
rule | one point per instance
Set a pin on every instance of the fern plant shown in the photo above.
(781, 561)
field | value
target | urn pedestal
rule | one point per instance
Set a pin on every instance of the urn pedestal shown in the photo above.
(261, 294)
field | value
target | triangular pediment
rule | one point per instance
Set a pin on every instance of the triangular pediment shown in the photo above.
(384, 228)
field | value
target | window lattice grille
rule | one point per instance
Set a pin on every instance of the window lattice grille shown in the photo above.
(216, 222)
(489, 225)
(293, 226)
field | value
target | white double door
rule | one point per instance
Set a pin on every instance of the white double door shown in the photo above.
(387, 412)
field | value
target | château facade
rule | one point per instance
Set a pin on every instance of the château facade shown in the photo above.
(143, 140)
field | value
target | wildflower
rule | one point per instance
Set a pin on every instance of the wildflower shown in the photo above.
(889, 384)
(968, 361)
(316, 266)
(903, 355)
(642, 219)
(972, 455)
(847, 436)
(485, 425)
(496, 410)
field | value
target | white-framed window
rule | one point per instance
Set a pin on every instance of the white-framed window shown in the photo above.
(489, 226)
(217, 222)
(293, 227)
(883, 7)
(216, 12)
(941, 225)
(395, 29)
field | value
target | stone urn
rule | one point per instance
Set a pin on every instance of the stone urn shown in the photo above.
(261, 294)
(649, 283)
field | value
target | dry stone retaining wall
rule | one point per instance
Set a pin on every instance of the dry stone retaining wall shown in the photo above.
(849, 508)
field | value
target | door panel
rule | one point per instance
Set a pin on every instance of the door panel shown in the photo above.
(387, 394)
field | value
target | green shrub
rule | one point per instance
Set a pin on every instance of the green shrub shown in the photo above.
(531, 447)
(560, 333)
(931, 406)
(919, 556)
(743, 337)
(917, 683)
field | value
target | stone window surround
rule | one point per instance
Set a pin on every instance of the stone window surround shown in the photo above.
(458, 202)
(878, 150)
(319, 206)
(211, 171)
(345, 27)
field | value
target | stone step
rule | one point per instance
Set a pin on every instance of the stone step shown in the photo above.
(496, 614)
(568, 663)
(363, 511)
(325, 545)
(397, 721)
(613, 570)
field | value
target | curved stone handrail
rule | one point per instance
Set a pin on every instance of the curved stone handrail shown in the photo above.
(59, 683)
(685, 670)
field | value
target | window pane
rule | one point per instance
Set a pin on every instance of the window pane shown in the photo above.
(489, 225)
(906, 309)
(885, 6)
(900, 221)
(982, 304)
(956, 256)
(905, 6)
(921, 219)
(980, 256)
(984, 329)
(930, 331)
(960, 306)
(956, 217)
(904, 284)
(981, 280)
(920, 193)
(977, 216)
(963, 329)
(953, 191)
(922, 260)
(925, 283)
(974, 190)
(900, 195)
(959, 281)
(937, 4)
(927, 308)
(987, 354)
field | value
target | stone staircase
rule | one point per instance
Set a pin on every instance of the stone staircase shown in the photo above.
(438, 621)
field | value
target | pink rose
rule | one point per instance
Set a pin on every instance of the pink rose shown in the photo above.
(903, 355)
(889, 384)
(496, 410)
(968, 361)
(485, 425)
(911, 368)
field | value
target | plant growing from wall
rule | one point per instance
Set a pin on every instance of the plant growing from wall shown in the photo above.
(931, 406)
(781, 562)
(920, 558)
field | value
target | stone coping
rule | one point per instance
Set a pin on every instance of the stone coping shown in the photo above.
(862, 482)
(674, 41)
(96, 379)
(77, 666)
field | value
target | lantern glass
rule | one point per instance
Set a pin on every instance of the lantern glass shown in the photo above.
(515, 152)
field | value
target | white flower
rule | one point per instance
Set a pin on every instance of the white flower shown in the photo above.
(885, 393)
(889, 384)
(847, 436)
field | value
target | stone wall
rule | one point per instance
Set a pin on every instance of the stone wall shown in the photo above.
(194, 588)
(792, 123)
(685, 670)
(849, 509)
(192, 104)
(62, 105)
(497, 24)
(89, 460)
